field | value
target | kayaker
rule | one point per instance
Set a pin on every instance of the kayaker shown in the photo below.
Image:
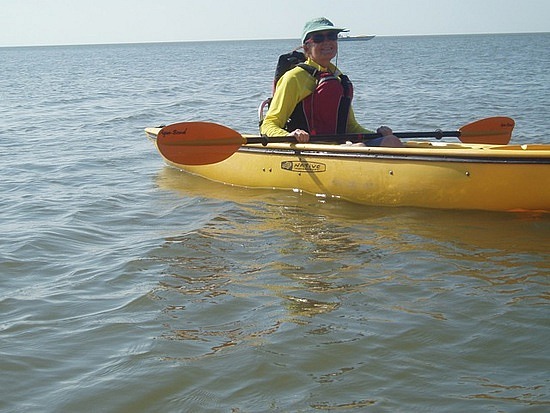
(319, 102)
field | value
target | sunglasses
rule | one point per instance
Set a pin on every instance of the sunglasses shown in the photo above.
(320, 37)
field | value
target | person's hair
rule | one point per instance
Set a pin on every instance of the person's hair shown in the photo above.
(307, 49)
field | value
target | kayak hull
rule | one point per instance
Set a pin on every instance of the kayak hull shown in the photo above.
(423, 174)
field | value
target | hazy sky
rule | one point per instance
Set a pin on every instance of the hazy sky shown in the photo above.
(45, 22)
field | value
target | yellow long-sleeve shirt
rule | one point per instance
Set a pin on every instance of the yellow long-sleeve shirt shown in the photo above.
(293, 87)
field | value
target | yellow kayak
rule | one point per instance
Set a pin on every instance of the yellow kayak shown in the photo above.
(421, 174)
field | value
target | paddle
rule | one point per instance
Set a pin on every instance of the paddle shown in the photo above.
(492, 131)
(203, 143)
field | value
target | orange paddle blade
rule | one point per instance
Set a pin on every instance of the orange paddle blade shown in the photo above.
(492, 131)
(198, 143)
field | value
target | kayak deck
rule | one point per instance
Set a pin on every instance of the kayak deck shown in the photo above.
(460, 152)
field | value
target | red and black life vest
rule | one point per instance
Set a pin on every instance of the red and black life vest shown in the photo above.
(326, 110)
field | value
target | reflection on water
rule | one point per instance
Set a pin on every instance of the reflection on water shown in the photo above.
(476, 235)
(528, 396)
(399, 287)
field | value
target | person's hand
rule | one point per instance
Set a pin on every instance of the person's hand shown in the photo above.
(384, 131)
(390, 139)
(300, 135)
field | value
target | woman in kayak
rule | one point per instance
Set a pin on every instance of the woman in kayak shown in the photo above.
(315, 97)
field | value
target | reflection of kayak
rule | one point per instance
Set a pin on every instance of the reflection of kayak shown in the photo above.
(422, 174)
(356, 38)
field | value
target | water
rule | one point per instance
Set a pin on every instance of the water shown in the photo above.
(127, 286)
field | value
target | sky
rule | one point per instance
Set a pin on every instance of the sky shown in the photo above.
(62, 22)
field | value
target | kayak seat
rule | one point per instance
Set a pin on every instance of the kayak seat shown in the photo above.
(264, 105)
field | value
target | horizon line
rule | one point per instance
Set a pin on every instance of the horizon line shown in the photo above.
(257, 39)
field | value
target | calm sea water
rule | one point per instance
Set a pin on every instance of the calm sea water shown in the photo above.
(128, 286)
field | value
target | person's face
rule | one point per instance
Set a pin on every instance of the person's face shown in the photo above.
(323, 46)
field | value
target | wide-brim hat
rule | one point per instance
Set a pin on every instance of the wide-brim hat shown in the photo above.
(319, 24)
